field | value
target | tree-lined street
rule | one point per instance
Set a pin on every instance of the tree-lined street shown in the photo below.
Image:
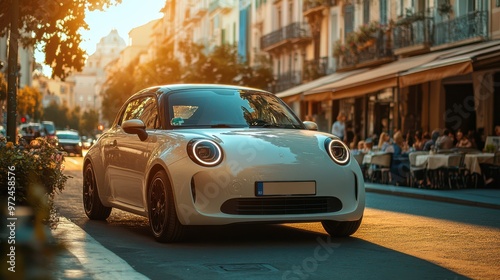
(399, 238)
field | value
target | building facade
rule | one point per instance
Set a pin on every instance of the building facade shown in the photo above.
(88, 82)
(390, 64)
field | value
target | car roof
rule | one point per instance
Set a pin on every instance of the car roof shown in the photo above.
(165, 89)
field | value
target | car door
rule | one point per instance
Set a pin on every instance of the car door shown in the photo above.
(127, 165)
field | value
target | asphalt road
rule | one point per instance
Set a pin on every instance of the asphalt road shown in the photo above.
(400, 238)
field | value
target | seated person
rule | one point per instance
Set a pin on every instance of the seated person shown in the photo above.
(462, 140)
(400, 164)
(445, 141)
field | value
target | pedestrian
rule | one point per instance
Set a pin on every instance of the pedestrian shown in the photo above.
(338, 127)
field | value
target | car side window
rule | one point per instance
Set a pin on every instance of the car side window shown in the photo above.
(149, 114)
(133, 110)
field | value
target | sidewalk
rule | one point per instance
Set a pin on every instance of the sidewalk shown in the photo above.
(85, 258)
(488, 198)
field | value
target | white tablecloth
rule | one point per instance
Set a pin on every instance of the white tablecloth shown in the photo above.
(472, 161)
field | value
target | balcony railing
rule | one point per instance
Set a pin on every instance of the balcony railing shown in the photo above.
(418, 32)
(313, 4)
(316, 68)
(292, 31)
(471, 25)
(224, 5)
(376, 51)
(288, 80)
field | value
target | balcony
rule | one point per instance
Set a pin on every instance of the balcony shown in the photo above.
(316, 68)
(373, 52)
(470, 27)
(199, 10)
(287, 80)
(413, 37)
(312, 6)
(224, 6)
(292, 33)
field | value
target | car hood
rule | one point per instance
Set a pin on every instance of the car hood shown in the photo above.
(267, 145)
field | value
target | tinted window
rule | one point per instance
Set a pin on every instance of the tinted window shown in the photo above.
(145, 109)
(228, 108)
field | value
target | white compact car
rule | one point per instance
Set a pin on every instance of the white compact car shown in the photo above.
(197, 154)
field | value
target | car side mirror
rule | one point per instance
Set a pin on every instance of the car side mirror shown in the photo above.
(135, 126)
(310, 125)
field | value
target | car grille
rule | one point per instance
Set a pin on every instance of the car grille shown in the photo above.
(281, 205)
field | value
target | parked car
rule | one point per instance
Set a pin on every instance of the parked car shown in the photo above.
(69, 141)
(185, 155)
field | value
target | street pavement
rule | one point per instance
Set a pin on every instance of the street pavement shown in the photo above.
(85, 258)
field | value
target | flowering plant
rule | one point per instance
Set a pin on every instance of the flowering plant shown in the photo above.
(34, 173)
(356, 41)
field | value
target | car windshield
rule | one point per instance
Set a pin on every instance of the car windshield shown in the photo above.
(68, 136)
(228, 108)
(50, 128)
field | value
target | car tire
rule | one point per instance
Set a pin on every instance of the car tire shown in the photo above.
(94, 209)
(341, 229)
(162, 215)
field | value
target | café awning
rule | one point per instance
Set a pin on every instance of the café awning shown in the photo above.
(408, 71)
(455, 64)
(295, 93)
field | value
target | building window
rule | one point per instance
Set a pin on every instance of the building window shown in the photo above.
(366, 11)
(383, 11)
(348, 19)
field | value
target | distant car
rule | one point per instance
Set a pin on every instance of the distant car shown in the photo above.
(186, 155)
(70, 142)
(30, 131)
(87, 142)
(49, 129)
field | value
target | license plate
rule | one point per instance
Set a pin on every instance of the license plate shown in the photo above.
(285, 188)
(68, 147)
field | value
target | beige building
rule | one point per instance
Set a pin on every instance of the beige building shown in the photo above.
(54, 90)
(388, 64)
(88, 82)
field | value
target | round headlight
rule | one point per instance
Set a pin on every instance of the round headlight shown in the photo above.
(204, 152)
(337, 150)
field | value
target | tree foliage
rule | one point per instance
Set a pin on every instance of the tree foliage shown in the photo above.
(29, 102)
(222, 65)
(118, 88)
(53, 26)
(89, 122)
(57, 114)
(3, 87)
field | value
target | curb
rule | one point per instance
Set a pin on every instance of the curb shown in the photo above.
(393, 190)
(97, 261)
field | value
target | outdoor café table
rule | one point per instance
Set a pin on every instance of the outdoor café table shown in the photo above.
(472, 161)
(374, 158)
(434, 162)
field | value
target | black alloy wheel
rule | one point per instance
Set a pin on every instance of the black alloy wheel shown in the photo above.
(161, 210)
(94, 209)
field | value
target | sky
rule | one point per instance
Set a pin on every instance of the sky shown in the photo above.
(123, 17)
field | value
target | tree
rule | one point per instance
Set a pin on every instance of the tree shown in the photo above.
(119, 86)
(164, 69)
(3, 87)
(74, 118)
(89, 122)
(53, 26)
(56, 113)
(29, 101)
